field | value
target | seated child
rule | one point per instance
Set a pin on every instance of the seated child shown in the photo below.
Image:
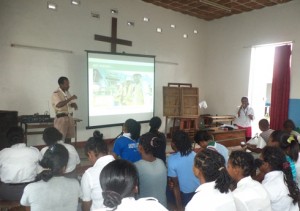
(204, 140)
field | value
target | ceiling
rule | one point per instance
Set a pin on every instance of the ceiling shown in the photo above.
(207, 12)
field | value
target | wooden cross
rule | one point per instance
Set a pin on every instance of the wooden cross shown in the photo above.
(113, 40)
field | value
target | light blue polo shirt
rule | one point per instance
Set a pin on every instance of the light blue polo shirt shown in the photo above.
(182, 168)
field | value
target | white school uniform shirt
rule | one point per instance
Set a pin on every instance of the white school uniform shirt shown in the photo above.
(74, 159)
(207, 197)
(144, 204)
(90, 184)
(244, 120)
(250, 195)
(19, 163)
(278, 192)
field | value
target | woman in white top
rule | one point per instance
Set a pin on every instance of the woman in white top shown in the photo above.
(52, 136)
(249, 194)
(278, 179)
(97, 152)
(119, 182)
(214, 192)
(52, 191)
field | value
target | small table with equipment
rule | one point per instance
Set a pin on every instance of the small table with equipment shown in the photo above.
(33, 124)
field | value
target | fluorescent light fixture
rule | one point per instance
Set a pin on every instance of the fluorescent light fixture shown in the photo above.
(114, 11)
(216, 5)
(146, 19)
(75, 2)
(185, 36)
(51, 6)
(173, 26)
(159, 30)
(195, 31)
(130, 23)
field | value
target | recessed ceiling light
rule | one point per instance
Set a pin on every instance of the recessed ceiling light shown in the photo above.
(173, 26)
(114, 11)
(185, 36)
(146, 19)
(195, 31)
(51, 6)
(130, 23)
(159, 30)
(75, 2)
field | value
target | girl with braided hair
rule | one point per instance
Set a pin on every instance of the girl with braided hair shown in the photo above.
(289, 144)
(278, 179)
(249, 194)
(52, 190)
(214, 192)
(119, 182)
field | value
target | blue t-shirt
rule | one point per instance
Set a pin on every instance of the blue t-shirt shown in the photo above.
(127, 149)
(182, 168)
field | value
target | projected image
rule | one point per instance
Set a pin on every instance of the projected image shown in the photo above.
(120, 85)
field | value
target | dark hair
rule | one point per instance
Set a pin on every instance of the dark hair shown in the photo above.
(264, 124)
(55, 159)
(243, 160)
(15, 135)
(244, 98)
(202, 136)
(155, 123)
(51, 135)
(62, 79)
(96, 144)
(133, 127)
(149, 142)
(289, 124)
(182, 142)
(118, 180)
(287, 142)
(277, 160)
(212, 165)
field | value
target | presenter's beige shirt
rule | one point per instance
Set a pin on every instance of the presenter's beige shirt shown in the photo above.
(59, 96)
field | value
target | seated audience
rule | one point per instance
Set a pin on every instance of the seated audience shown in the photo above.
(52, 190)
(290, 127)
(289, 145)
(204, 140)
(18, 165)
(159, 151)
(249, 194)
(52, 136)
(119, 182)
(213, 193)
(264, 126)
(182, 180)
(278, 180)
(255, 145)
(126, 146)
(152, 171)
(97, 152)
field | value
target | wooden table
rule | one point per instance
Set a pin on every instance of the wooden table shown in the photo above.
(229, 138)
(38, 128)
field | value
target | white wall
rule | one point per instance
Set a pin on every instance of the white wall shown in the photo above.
(29, 76)
(228, 51)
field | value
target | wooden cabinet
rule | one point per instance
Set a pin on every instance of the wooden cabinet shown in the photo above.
(229, 138)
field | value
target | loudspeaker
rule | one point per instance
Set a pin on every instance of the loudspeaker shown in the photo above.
(7, 119)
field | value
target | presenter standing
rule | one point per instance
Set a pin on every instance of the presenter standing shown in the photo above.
(63, 104)
(244, 117)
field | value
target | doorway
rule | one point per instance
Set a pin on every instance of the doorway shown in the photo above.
(260, 82)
